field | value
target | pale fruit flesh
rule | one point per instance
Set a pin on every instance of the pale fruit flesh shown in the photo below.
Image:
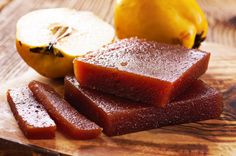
(49, 39)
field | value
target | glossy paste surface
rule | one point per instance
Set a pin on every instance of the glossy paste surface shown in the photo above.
(119, 116)
(32, 118)
(140, 70)
(67, 118)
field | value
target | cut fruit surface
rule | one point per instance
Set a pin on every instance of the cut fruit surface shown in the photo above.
(49, 39)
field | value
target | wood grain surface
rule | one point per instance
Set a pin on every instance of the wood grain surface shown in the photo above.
(221, 17)
(214, 137)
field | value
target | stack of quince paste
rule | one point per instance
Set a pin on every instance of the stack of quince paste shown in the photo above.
(127, 86)
(134, 84)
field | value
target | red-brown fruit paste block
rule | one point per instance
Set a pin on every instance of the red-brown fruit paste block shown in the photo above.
(68, 119)
(120, 116)
(31, 116)
(141, 70)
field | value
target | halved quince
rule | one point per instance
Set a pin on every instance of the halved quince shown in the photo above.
(48, 40)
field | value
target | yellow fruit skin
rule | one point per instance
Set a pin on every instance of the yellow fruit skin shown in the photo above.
(49, 65)
(169, 21)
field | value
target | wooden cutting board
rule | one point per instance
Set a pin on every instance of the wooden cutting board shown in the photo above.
(213, 137)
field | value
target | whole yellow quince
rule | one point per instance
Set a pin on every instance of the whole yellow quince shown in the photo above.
(170, 21)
